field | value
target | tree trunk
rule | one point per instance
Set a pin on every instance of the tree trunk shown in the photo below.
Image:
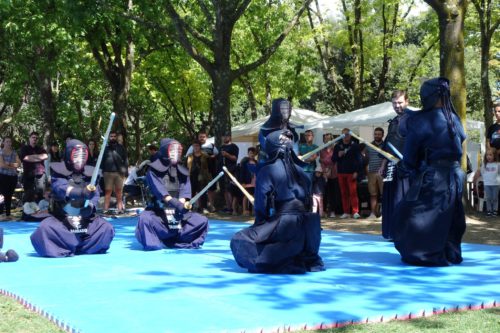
(387, 45)
(487, 27)
(47, 107)
(221, 91)
(451, 15)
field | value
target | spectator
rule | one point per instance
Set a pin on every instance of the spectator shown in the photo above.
(131, 187)
(248, 167)
(115, 170)
(228, 157)
(493, 136)
(44, 204)
(54, 153)
(331, 198)
(306, 147)
(9, 162)
(199, 174)
(152, 156)
(349, 165)
(375, 181)
(33, 157)
(490, 171)
(318, 189)
(31, 210)
(212, 152)
(93, 153)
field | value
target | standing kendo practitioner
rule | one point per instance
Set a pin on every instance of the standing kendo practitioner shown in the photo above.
(165, 222)
(285, 236)
(279, 119)
(395, 185)
(73, 227)
(431, 218)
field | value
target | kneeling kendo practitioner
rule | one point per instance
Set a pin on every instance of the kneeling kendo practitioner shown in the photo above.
(73, 228)
(431, 217)
(285, 236)
(165, 222)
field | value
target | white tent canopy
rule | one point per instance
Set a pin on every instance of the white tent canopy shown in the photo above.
(371, 116)
(246, 135)
(249, 132)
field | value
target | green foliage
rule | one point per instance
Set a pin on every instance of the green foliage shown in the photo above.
(171, 94)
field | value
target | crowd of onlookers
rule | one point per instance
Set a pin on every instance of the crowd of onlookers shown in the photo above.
(336, 173)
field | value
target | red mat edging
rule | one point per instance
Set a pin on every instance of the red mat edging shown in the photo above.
(41, 312)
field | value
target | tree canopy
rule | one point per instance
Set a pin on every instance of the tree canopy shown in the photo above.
(172, 68)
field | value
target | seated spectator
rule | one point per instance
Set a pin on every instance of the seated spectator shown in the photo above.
(131, 187)
(31, 210)
(44, 204)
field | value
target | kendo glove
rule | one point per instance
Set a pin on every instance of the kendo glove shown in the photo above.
(177, 205)
(85, 193)
(86, 212)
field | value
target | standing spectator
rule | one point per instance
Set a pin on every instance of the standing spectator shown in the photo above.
(212, 152)
(318, 188)
(395, 186)
(54, 153)
(54, 156)
(493, 136)
(228, 157)
(93, 153)
(331, 198)
(349, 165)
(248, 167)
(9, 162)
(375, 181)
(199, 175)
(490, 170)
(115, 169)
(33, 157)
(306, 147)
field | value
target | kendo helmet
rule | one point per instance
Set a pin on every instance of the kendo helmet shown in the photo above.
(434, 90)
(76, 155)
(170, 151)
(278, 142)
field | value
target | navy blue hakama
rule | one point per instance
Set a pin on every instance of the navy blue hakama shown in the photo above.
(154, 234)
(287, 243)
(431, 218)
(53, 239)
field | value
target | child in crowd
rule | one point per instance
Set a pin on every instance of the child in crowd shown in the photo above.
(44, 204)
(31, 210)
(318, 189)
(490, 171)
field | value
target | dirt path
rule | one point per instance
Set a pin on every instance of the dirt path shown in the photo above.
(480, 229)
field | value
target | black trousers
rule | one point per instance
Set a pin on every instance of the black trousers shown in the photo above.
(7, 187)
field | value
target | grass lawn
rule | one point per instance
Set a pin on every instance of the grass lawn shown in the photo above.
(14, 318)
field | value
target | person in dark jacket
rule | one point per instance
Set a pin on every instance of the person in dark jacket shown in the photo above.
(114, 171)
(285, 236)
(165, 222)
(74, 228)
(347, 155)
(395, 185)
(431, 217)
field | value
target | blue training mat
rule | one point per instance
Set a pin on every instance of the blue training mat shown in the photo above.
(129, 290)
